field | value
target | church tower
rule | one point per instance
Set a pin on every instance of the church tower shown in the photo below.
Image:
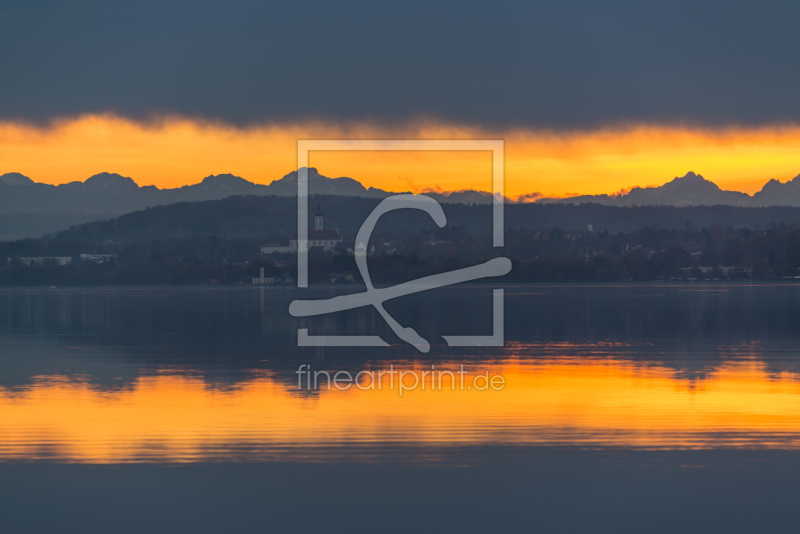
(318, 218)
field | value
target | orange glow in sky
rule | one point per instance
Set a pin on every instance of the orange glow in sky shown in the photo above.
(173, 152)
(583, 402)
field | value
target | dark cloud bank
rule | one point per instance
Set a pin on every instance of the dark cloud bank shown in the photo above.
(538, 64)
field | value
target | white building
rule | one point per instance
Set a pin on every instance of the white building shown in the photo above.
(318, 237)
(275, 246)
(40, 260)
(97, 258)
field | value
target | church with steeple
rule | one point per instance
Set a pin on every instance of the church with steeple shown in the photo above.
(318, 238)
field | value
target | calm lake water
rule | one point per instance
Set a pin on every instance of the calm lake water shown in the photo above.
(632, 408)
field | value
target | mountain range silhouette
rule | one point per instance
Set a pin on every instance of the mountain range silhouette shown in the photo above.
(694, 190)
(29, 209)
(113, 193)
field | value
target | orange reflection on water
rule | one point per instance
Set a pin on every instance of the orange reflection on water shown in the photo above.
(582, 403)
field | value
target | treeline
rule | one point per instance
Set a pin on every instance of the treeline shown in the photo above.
(256, 217)
(716, 253)
(169, 261)
(554, 255)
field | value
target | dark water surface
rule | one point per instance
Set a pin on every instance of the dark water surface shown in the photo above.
(632, 408)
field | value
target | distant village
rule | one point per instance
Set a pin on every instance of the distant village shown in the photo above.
(588, 255)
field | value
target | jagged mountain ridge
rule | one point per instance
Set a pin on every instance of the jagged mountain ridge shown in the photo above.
(111, 193)
(30, 209)
(694, 190)
(106, 193)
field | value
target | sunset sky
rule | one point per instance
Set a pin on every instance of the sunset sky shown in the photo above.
(593, 99)
(156, 347)
(175, 152)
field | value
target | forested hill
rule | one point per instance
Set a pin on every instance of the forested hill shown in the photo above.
(276, 216)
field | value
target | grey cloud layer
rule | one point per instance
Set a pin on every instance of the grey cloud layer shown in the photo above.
(541, 64)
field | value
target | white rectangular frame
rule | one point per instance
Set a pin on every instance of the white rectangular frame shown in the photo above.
(304, 146)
